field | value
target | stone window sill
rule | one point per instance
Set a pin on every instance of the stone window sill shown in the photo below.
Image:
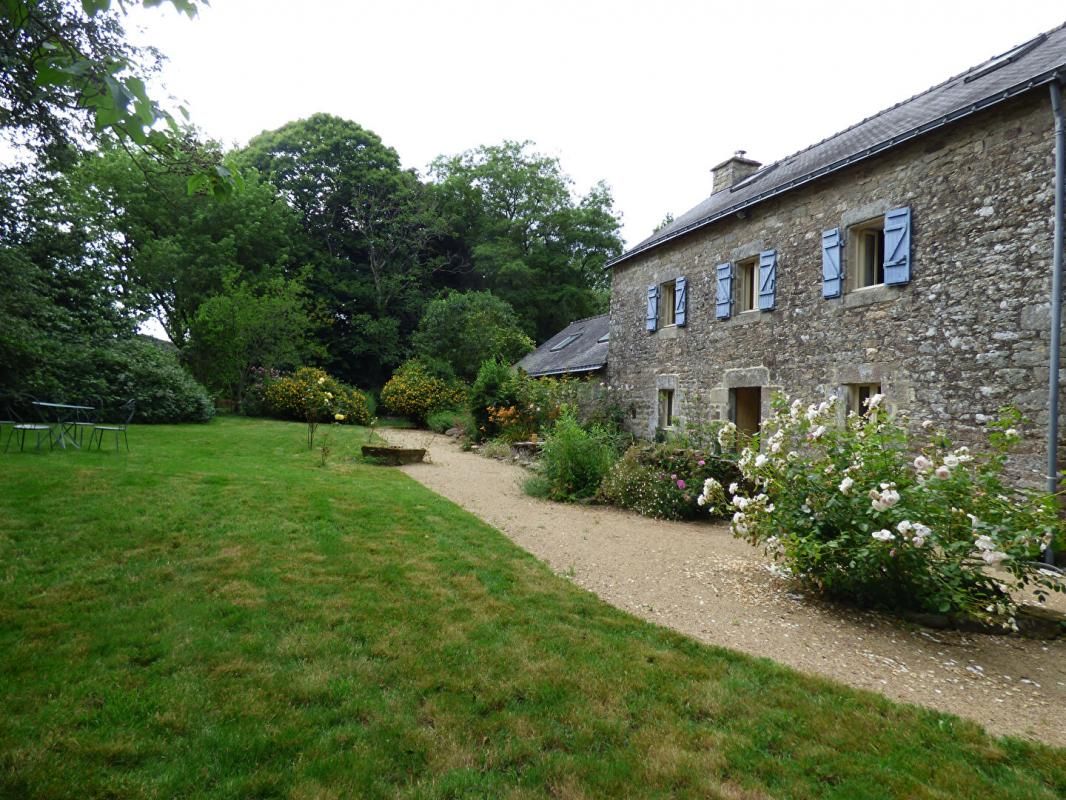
(871, 295)
(747, 317)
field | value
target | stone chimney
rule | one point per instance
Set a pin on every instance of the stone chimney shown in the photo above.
(732, 171)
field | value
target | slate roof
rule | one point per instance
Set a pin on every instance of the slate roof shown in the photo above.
(586, 353)
(1032, 64)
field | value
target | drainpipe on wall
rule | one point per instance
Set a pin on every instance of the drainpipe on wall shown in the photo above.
(1056, 302)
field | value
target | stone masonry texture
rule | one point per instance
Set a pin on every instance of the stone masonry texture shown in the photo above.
(967, 335)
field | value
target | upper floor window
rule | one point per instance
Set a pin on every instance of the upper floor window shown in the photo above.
(667, 303)
(747, 280)
(866, 254)
(879, 252)
(748, 285)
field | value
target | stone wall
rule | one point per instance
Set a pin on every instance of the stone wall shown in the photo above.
(967, 335)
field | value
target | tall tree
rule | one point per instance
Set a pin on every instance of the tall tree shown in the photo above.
(243, 327)
(526, 236)
(174, 249)
(371, 221)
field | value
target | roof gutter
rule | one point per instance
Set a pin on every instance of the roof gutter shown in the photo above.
(1056, 302)
(567, 371)
(919, 130)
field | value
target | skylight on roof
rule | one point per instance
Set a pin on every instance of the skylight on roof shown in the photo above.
(753, 177)
(1006, 58)
(604, 338)
(567, 341)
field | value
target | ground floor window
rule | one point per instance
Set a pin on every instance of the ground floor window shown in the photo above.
(666, 408)
(858, 394)
(746, 405)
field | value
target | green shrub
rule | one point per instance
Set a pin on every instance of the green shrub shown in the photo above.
(151, 375)
(495, 387)
(414, 391)
(537, 486)
(311, 394)
(445, 419)
(860, 513)
(665, 481)
(575, 460)
(496, 448)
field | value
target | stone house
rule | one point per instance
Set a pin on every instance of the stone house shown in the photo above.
(910, 254)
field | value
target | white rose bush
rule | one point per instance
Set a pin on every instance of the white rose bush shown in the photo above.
(861, 513)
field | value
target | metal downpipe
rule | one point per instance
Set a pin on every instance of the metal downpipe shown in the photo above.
(1056, 302)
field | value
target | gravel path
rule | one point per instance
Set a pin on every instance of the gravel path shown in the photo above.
(698, 579)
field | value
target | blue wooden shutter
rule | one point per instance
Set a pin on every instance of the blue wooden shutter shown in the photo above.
(898, 246)
(832, 263)
(680, 302)
(767, 279)
(653, 308)
(724, 296)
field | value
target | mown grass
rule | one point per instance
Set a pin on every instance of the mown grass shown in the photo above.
(216, 615)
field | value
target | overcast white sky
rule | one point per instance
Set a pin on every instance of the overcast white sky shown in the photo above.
(646, 96)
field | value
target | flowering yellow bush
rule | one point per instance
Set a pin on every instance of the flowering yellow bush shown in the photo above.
(310, 394)
(413, 392)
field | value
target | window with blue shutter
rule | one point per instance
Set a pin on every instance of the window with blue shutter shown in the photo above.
(898, 246)
(767, 279)
(724, 295)
(832, 263)
(680, 302)
(653, 308)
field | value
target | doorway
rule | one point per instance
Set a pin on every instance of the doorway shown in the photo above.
(747, 408)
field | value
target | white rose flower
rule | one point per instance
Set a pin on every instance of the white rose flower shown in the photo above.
(923, 464)
(942, 472)
(818, 432)
(883, 535)
(760, 461)
(993, 556)
(951, 461)
(846, 484)
(874, 401)
(733, 487)
(701, 501)
(904, 527)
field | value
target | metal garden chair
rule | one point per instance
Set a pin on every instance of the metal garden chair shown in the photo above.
(87, 420)
(127, 411)
(20, 428)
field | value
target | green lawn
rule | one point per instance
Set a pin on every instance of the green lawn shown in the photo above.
(218, 615)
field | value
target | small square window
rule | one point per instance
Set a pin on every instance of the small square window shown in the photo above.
(747, 280)
(858, 395)
(666, 408)
(667, 303)
(866, 254)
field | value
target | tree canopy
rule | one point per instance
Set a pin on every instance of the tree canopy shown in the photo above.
(525, 236)
(464, 329)
(371, 224)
